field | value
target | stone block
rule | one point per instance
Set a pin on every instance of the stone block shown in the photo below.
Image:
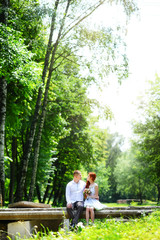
(66, 224)
(21, 228)
(27, 228)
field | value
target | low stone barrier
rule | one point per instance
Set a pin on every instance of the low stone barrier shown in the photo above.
(27, 204)
(28, 219)
(128, 201)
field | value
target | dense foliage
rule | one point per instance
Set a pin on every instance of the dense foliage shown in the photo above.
(147, 135)
(46, 130)
(137, 172)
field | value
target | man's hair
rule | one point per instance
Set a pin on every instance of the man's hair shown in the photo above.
(76, 172)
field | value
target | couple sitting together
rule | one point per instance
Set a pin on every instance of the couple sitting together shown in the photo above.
(76, 191)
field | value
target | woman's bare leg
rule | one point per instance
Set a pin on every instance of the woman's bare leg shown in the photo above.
(87, 215)
(92, 214)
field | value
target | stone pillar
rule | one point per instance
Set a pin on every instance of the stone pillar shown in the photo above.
(66, 224)
(23, 229)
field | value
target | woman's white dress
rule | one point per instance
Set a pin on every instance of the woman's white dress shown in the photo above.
(92, 202)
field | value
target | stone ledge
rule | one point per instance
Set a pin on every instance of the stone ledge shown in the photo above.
(52, 218)
(46, 214)
(26, 204)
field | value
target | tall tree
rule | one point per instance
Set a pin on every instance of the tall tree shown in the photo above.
(17, 67)
(73, 144)
(62, 32)
(114, 143)
(3, 96)
(147, 134)
(42, 117)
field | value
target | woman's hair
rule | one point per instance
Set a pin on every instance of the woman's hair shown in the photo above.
(87, 184)
(93, 176)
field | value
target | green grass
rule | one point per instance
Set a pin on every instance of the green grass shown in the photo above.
(147, 203)
(145, 228)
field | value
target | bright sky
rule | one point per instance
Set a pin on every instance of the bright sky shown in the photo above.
(143, 49)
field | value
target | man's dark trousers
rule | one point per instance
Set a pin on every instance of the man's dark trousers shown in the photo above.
(75, 211)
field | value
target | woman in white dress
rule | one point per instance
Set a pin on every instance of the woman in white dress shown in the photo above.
(91, 197)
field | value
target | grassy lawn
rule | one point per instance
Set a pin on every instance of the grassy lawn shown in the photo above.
(147, 203)
(145, 228)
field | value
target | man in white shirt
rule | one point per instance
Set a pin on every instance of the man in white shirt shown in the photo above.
(74, 197)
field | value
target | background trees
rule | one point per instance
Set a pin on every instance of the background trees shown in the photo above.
(137, 169)
(147, 132)
(132, 177)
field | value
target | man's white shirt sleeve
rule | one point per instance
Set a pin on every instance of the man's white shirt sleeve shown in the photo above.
(68, 199)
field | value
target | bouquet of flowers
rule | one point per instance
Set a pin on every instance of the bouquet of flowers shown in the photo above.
(86, 192)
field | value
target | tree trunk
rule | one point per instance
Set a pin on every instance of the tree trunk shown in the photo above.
(50, 179)
(61, 198)
(140, 190)
(158, 188)
(12, 169)
(57, 192)
(38, 193)
(39, 135)
(54, 189)
(3, 97)
(29, 143)
(47, 190)
(58, 187)
(4, 11)
(50, 196)
(27, 153)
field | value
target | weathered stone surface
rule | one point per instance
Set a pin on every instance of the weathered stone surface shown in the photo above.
(26, 204)
(46, 214)
(128, 201)
(27, 228)
(20, 229)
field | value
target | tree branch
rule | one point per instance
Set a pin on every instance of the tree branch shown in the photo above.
(82, 17)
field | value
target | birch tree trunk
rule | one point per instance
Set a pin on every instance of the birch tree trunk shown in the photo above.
(3, 96)
(12, 169)
(28, 149)
(37, 147)
(29, 142)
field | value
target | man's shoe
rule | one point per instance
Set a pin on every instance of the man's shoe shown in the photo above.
(72, 226)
